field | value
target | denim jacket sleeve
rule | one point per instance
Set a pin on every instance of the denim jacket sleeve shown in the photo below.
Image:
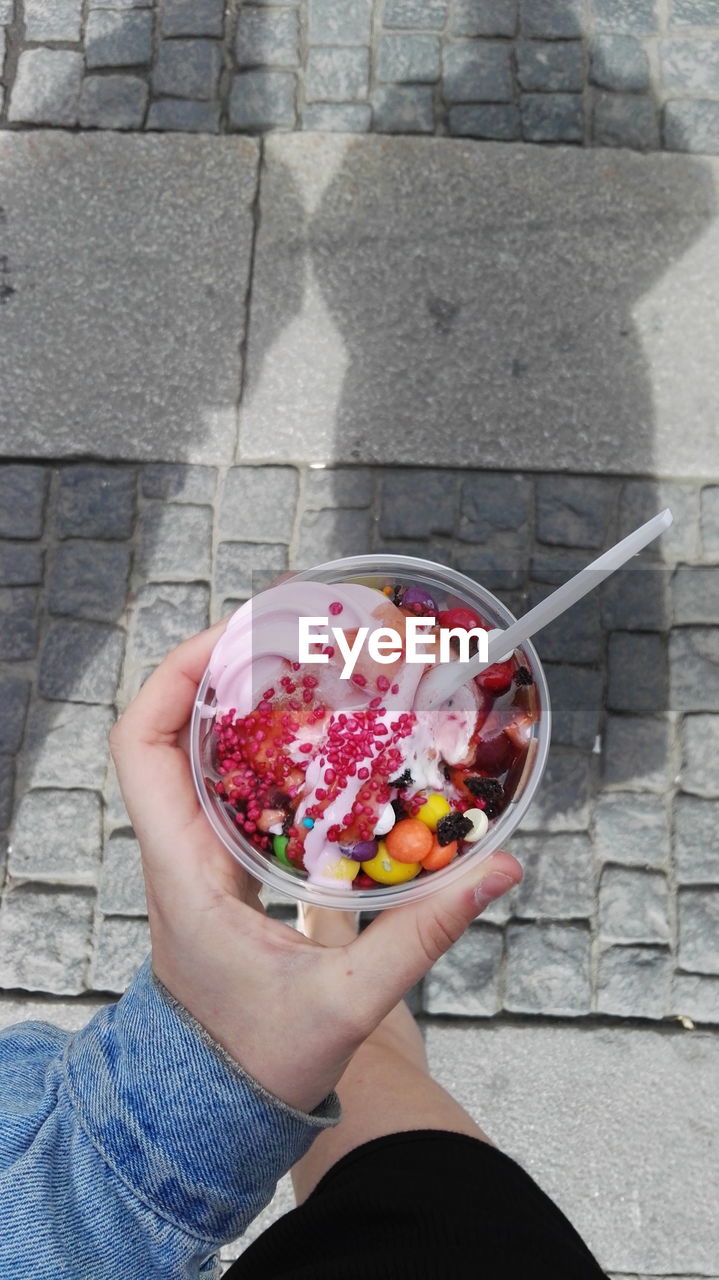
(136, 1146)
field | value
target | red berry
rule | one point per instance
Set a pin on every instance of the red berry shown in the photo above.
(497, 678)
(459, 618)
(494, 754)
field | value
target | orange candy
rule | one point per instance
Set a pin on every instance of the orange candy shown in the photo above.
(409, 840)
(440, 855)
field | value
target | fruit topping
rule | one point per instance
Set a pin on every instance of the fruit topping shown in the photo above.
(497, 678)
(523, 676)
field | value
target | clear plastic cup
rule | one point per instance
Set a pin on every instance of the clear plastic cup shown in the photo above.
(453, 590)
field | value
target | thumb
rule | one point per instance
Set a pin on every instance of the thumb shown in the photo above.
(401, 945)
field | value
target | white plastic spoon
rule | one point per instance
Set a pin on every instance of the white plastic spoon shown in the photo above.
(440, 683)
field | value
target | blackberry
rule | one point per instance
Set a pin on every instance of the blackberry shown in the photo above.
(453, 827)
(523, 676)
(404, 780)
(490, 791)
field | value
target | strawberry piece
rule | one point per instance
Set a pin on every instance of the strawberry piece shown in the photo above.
(493, 755)
(497, 678)
(520, 731)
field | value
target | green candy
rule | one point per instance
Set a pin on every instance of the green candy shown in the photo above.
(279, 847)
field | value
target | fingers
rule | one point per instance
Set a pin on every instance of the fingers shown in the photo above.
(401, 945)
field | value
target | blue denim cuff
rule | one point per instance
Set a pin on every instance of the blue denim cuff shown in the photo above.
(178, 1120)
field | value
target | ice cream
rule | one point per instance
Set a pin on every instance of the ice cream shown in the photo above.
(328, 773)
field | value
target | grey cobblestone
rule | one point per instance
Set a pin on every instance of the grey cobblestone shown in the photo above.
(637, 672)
(415, 504)
(339, 21)
(696, 593)
(633, 906)
(267, 38)
(700, 774)
(18, 623)
(632, 829)
(576, 699)
(337, 117)
(558, 881)
(14, 696)
(499, 121)
(696, 996)
(552, 117)
(7, 10)
(81, 662)
(164, 615)
(484, 18)
(258, 504)
(187, 68)
(698, 947)
(119, 4)
(45, 938)
(499, 566)
(7, 791)
(624, 120)
(550, 66)
(179, 482)
(175, 542)
(490, 508)
(427, 15)
(95, 501)
(548, 969)
(66, 745)
(692, 13)
(403, 109)
(619, 63)
(121, 948)
(46, 20)
(476, 71)
(184, 114)
(326, 535)
(551, 19)
(22, 497)
(409, 58)
(634, 982)
(635, 17)
(241, 568)
(118, 39)
(696, 851)
(562, 802)
(694, 668)
(710, 521)
(262, 100)
(336, 74)
(47, 87)
(56, 836)
(89, 579)
(116, 814)
(574, 512)
(21, 564)
(690, 67)
(192, 17)
(465, 981)
(636, 599)
(122, 886)
(112, 102)
(338, 487)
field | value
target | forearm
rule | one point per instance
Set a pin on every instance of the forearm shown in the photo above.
(137, 1145)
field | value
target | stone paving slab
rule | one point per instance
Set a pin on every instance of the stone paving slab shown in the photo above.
(466, 304)
(125, 294)
(602, 73)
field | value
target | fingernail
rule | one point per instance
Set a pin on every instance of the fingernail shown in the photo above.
(493, 886)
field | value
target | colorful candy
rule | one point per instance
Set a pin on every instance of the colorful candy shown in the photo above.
(409, 840)
(480, 824)
(385, 869)
(436, 806)
(440, 855)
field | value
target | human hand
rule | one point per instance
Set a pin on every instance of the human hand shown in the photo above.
(290, 1011)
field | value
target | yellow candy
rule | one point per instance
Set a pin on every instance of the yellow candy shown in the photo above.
(434, 808)
(387, 870)
(342, 869)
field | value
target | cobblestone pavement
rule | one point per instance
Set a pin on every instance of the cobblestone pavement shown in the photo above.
(641, 74)
(107, 566)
